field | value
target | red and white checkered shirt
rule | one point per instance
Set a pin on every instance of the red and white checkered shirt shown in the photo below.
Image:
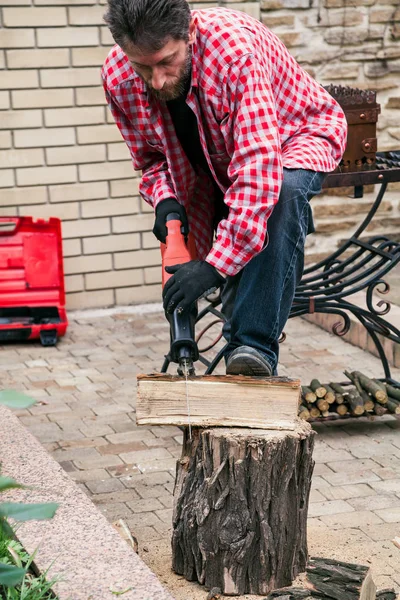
(257, 111)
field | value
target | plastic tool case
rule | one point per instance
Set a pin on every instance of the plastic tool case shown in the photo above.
(32, 295)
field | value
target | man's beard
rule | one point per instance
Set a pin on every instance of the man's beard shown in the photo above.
(172, 91)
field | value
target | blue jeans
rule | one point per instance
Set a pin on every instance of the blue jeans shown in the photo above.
(257, 301)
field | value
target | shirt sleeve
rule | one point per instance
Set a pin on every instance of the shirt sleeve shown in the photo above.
(156, 184)
(255, 167)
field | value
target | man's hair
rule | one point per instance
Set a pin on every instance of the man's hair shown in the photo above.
(148, 24)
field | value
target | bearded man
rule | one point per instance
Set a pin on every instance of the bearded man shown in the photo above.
(234, 136)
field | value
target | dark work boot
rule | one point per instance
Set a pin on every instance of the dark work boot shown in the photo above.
(248, 361)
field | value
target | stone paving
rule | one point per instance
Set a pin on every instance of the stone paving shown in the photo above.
(85, 417)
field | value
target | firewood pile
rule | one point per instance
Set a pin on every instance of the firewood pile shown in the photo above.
(363, 396)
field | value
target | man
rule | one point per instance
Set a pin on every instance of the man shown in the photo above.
(233, 135)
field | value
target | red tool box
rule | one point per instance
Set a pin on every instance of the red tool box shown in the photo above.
(32, 294)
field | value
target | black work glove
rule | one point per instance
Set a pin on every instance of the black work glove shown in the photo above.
(163, 209)
(190, 281)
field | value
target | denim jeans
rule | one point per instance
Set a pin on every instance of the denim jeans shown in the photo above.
(257, 301)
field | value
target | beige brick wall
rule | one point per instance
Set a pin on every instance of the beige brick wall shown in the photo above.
(61, 155)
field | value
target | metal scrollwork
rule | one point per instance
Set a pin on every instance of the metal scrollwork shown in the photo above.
(374, 286)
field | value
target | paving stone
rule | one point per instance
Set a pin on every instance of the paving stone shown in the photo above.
(334, 507)
(98, 462)
(166, 464)
(321, 469)
(145, 535)
(388, 486)
(115, 511)
(124, 471)
(90, 475)
(112, 497)
(324, 454)
(374, 502)
(165, 515)
(353, 519)
(349, 466)
(384, 531)
(96, 429)
(147, 505)
(371, 449)
(74, 453)
(134, 435)
(104, 487)
(143, 456)
(351, 477)
(143, 519)
(389, 515)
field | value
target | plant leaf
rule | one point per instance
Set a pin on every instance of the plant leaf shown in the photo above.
(28, 512)
(10, 575)
(6, 528)
(14, 399)
(6, 483)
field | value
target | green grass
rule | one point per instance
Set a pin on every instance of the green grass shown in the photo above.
(31, 587)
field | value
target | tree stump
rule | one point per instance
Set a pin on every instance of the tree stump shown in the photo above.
(240, 508)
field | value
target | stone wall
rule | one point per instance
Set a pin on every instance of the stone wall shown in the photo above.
(61, 154)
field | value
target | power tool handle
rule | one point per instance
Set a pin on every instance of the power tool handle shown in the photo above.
(175, 251)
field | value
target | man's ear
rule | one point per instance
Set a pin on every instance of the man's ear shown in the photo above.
(192, 32)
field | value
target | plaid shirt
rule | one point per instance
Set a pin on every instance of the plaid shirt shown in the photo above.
(257, 111)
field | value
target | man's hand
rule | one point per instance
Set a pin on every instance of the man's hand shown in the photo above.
(190, 281)
(163, 209)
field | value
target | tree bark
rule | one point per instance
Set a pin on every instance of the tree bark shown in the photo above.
(240, 508)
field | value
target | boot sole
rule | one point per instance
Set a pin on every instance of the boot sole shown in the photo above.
(243, 364)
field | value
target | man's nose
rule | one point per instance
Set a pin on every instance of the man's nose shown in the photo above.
(157, 79)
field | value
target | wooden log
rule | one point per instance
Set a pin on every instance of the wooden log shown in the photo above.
(314, 412)
(322, 404)
(393, 406)
(371, 387)
(304, 413)
(332, 579)
(379, 409)
(355, 403)
(330, 394)
(341, 409)
(308, 394)
(393, 391)
(317, 388)
(338, 389)
(240, 508)
(368, 402)
(218, 400)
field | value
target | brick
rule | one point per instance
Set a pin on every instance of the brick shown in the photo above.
(4, 100)
(250, 8)
(75, 155)
(97, 171)
(142, 520)
(145, 505)
(390, 485)
(384, 531)
(82, 15)
(353, 465)
(6, 178)
(127, 260)
(118, 151)
(376, 502)
(333, 507)
(118, 496)
(78, 191)
(100, 208)
(69, 36)
(152, 275)
(32, 138)
(132, 223)
(149, 240)
(44, 175)
(87, 264)
(74, 283)
(85, 228)
(371, 448)
(138, 295)
(112, 243)
(73, 116)
(145, 207)
(98, 281)
(21, 158)
(11, 80)
(63, 2)
(36, 59)
(106, 37)
(34, 17)
(98, 134)
(15, 2)
(27, 195)
(98, 462)
(42, 98)
(90, 96)
(71, 248)
(20, 119)
(77, 77)
(5, 139)
(81, 300)
(89, 57)
(65, 212)
(15, 38)
(124, 187)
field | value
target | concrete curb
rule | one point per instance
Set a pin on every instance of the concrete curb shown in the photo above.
(78, 544)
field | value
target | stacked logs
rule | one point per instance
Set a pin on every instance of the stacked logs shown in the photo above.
(363, 396)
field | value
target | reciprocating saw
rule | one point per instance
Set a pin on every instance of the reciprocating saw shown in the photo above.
(184, 350)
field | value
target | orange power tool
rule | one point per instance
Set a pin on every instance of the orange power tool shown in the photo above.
(175, 251)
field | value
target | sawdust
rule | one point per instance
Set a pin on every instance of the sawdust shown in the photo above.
(349, 545)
